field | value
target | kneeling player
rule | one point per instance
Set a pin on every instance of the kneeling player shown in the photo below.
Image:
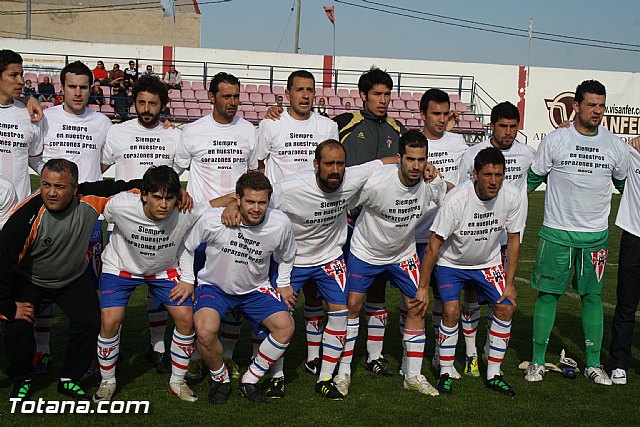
(236, 276)
(144, 248)
(465, 241)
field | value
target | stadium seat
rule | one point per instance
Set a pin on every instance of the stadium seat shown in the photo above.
(250, 88)
(393, 114)
(242, 87)
(180, 113)
(398, 104)
(55, 78)
(406, 115)
(194, 113)
(462, 106)
(244, 97)
(354, 93)
(417, 96)
(347, 99)
(476, 125)
(190, 104)
(186, 84)
(358, 102)
(46, 105)
(334, 101)
(206, 111)
(413, 123)
(107, 109)
(58, 87)
(413, 105)
(403, 121)
(238, 114)
(106, 90)
(246, 107)
(41, 76)
(343, 93)
(260, 114)
(406, 96)
(463, 124)
(269, 98)
(132, 109)
(188, 94)
(197, 86)
(260, 108)
(454, 97)
(256, 98)
(94, 107)
(204, 105)
(264, 89)
(31, 76)
(176, 104)
(278, 90)
(394, 95)
(174, 94)
(328, 91)
(202, 95)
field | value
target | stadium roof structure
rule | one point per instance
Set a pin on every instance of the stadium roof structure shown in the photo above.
(189, 6)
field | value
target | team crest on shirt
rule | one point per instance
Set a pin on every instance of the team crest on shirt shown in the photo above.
(599, 261)
(411, 266)
(389, 141)
(495, 275)
(338, 270)
(268, 290)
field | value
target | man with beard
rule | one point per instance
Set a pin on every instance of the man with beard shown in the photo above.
(578, 164)
(133, 147)
(236, 276)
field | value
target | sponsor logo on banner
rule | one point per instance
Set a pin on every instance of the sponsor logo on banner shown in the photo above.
(599, 261)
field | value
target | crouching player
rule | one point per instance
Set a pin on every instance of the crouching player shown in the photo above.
(236, 276)
(145, 246)
(465, 242)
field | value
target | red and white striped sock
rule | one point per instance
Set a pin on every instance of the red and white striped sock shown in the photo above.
(353, 325)
(500, 333)
(314, 325)
(470, 316)
(230, 332)
(108, 351)
(221, 375)
(414, 340)
(157, 315)
(447, 341)
(42, 325)
(182, 347)
(333, 340)
(376, 315)
(270, 350)
(436, 319)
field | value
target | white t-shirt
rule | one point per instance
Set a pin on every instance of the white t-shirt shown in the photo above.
(629, 212)
(319, 219)
(518, 158)
(19, 140)
(133, 148)
(472, 227)
(142, 247)
(384, 233)
(8, 200)
(217, 155)
(288, 145)
(579, 185)
(445, 154)
(238, 257)
(78, 138)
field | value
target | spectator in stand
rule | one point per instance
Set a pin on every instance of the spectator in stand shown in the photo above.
(46, 90)
(322, 107)
(150, 72)
(279, 100)
(100, 73)
(96, 96)
(173, 78)
(28, 90)
(59, 98)
(130, 74)
(347, 105)
(116, 76)
(120, 101)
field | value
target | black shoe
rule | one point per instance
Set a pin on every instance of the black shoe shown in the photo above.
(328, 389)
(274, 388)
(380, 367)
(445, 384)
(219, 393)
(252, 392)
(22, 390)
(153, 357)
(497, 383)
(73, 390)
(164, 367)
(312, 366)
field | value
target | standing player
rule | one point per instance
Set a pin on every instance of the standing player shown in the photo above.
(134, 146)
(627, 293)
(74, 132)
(383, 242)
(144, 247)
(578, 163)
(287, 146)
(217, 149)
(505, 118)
(465, 247)
(445, 152)
(236, 275)
(8, 200)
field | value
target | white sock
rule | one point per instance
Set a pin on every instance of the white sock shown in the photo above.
(376, 316)
(157, 315)
(182, 347)
(347, 355)
(447, 339)
(270, 350)
(414, 340)
(108, 351)
(470, 316)
(314, 325)
(42, 326)
(333, 340)
(500, 333)
(230, 332)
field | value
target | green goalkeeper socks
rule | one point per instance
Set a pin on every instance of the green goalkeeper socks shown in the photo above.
(593, 325)
(544, 316)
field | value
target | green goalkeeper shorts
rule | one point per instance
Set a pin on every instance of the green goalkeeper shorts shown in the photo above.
(555, 263)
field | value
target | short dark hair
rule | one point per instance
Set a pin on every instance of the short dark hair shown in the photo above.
(63, 165)
(488, 156)
(325, 144)
(78, 68)
(372, 77)
(254, 180)
(589, 86)
(8, 57)
(413, 139)
(161, 179)
(504, 110)
(152, 85)
(303, 74)
(435, 95)
(222, 77)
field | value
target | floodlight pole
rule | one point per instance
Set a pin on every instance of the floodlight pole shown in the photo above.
(296, 47)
